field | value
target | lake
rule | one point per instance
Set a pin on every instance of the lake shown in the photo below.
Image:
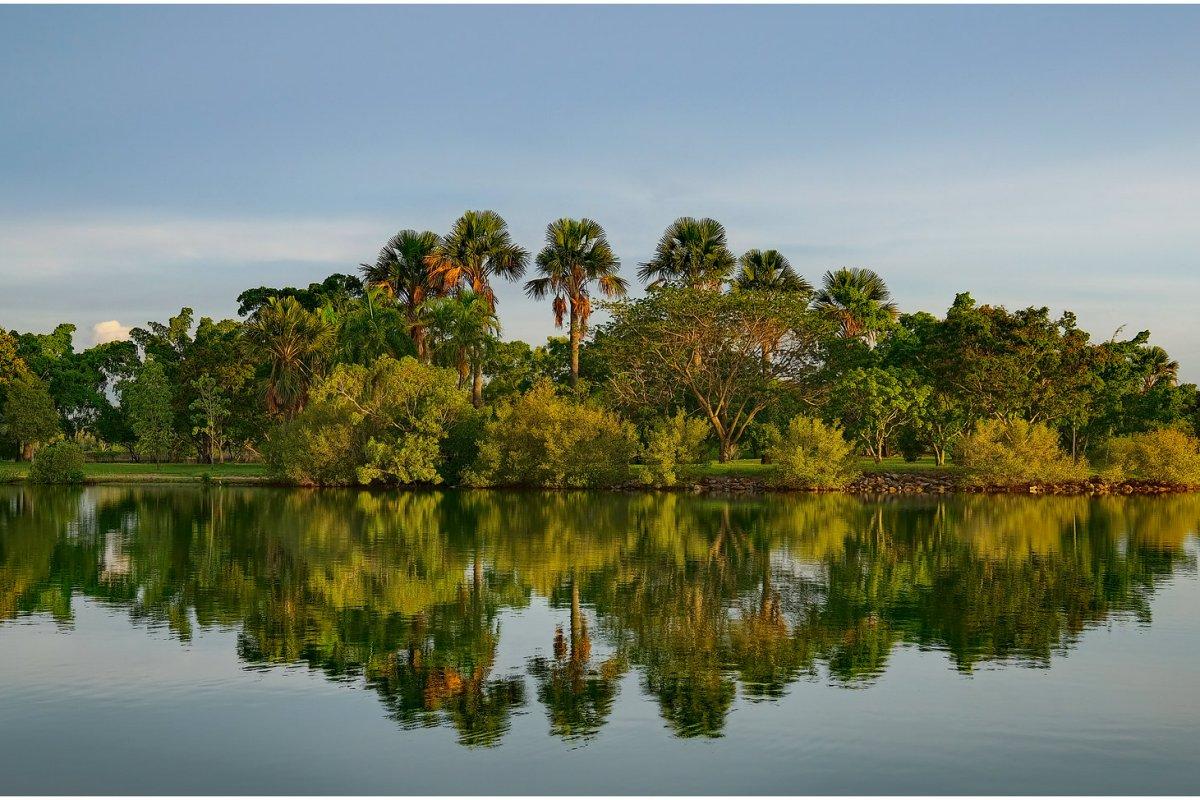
(159, 639)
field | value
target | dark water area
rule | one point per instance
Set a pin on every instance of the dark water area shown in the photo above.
(251, 640)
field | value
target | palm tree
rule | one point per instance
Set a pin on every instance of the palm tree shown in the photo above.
(295, 341)
(477, 248)
(403, 272)
(464, 327)
(769, 270)
(691, 252)
(860, 302)
(577, 253)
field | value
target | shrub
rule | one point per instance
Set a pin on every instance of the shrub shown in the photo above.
(1168, 455)
(60, 462)
(813, 455)
(758, 440)
(543, 439)
(671, 442)
(999, 454)
(382, 424)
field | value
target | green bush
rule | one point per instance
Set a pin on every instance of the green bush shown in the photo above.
(60, 462)
(999, 454)
(671, 443)
(813, 455)
(545, 440)
(1168, 455)
(758, 440)
(383, 424)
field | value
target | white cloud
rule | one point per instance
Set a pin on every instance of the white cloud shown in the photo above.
(109, 331)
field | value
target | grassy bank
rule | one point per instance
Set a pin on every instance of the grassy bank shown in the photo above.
(125, 472)
(753, 468)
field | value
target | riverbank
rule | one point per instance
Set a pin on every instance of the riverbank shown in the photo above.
(740, 477)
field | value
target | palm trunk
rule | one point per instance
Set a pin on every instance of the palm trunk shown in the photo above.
(576, 335)
(477, 385)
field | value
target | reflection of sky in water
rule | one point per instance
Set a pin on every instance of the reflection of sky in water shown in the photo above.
(112, 697)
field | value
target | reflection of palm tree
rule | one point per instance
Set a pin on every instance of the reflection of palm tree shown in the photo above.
(578, 697)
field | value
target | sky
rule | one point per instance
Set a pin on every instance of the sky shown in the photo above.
(157, 157)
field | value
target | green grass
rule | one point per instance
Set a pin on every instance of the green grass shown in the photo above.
(753, 468)
(118, 472)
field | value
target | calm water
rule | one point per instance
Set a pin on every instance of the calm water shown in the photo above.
(171, 640)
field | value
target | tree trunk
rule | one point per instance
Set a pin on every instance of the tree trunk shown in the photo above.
(27, 451)
(477, 386)
(726, 450)
(420, 342)
(575, 336)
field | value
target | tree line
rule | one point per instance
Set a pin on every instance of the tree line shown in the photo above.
(398, 373)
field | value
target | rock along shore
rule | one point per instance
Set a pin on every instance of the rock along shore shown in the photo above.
(877, 483)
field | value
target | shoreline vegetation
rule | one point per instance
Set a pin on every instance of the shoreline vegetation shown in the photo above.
(728, 373)
(741, 477)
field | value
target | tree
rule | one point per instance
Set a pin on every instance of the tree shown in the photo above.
(29, 413)
(147, 402)
(210, 411)
(691, 252)
(478, 248)
(768, 270)
(682, 347)
(403, 270)
(577, 254)
(383, 423)
(294, 341)
(873, 403)
(859, 300)
(337, 290)
(464, 329)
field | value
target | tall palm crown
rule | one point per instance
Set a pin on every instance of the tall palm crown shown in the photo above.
(295, 341)
(403, 272)
(859, 300)
(477, 248)
(577, 254)
(691, 252)
(769, 270)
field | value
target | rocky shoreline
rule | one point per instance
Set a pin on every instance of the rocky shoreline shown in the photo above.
(877, 483)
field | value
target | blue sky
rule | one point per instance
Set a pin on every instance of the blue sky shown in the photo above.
(156, 157)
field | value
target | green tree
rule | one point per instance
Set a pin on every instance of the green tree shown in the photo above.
(477, 249)
(680, 348)
(692, 252)
(404, 271)
(859, 301)
(29, 413)
(294, 343)
(577, 254)
(768, 270)
(874, 403)
(463, 331)
(210, 411)
(147, 401)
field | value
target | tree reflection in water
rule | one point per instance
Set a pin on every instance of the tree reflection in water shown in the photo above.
(702, 598)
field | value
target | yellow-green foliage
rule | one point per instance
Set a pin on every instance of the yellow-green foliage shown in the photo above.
(543, 439)
(1007, 454)
(671, 442)
(380, 424)
(60, 462)
(1168, 455)
(813, 455)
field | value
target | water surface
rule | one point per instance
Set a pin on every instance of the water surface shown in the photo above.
(230, 640)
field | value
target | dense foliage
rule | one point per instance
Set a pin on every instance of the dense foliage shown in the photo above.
(734, 346)
(59, 462)
(1167, 455)
(545, 439)
(813, 455)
